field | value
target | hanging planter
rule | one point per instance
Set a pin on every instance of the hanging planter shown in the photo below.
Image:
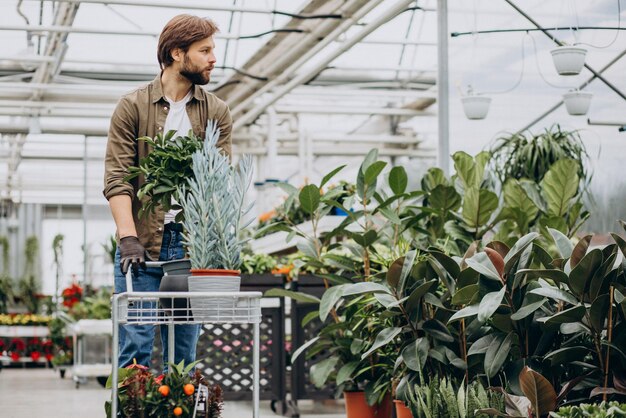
(577, 102)
(476, 107)
(569, 60)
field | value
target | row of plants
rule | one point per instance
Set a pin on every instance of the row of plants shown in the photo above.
(34, 348)
(479, 283)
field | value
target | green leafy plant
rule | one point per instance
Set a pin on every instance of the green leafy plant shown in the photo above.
(30, 286)
(6, 282)
(110, 248)
(528, 156)
(602, 410)
(257, 263)
(167, 167)
(213, 200)
(57, 249)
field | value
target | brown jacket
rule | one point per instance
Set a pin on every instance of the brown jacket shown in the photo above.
(142, 113)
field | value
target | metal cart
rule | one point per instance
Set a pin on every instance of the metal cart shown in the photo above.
(85, 364)
(176, 308)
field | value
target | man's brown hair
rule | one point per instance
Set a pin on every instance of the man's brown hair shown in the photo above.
(181, 32)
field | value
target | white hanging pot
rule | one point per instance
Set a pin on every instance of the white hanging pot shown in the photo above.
(569, 60)
(476, 107)
(577, 102)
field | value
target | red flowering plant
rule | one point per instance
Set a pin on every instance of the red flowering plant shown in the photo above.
(72, 295)
(141, 394)
(47, 349)
(17, 346)
(34, 348)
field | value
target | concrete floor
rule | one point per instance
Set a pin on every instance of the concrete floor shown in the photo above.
(42, 393)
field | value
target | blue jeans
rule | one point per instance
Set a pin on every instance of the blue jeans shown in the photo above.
(137, 341)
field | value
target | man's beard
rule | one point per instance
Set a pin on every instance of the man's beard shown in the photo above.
(192, 74)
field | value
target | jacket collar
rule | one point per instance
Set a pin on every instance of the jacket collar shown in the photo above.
(158, 90)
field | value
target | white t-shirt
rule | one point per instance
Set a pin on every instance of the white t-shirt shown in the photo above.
(177, 120)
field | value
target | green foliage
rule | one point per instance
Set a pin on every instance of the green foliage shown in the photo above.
(257, 264)
(527, 156)
(213, 201)
(110, 248)
(167, 167)
(97, 306)
(30, 286)
(441, 398)
(601, 410)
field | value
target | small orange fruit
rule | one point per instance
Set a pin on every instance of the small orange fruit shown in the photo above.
(164, 390)
(178, 411)
(189, 389)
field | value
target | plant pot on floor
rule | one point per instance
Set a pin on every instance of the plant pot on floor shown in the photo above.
(215, 281)
(577, 102)
(476, 107)
(177, 267)
(357, 407)
(568, 60)
(401, 410)
(175, 283)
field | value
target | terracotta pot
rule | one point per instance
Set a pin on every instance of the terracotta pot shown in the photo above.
(214, 272)
(357, 407)
(401, 410)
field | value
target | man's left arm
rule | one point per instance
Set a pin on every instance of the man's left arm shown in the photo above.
(225, 125)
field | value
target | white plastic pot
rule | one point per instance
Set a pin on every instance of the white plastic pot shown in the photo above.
(577, 102)
(476, 107)
(568, 60)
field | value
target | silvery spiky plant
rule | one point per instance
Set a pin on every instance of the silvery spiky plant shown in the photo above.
(213, 204)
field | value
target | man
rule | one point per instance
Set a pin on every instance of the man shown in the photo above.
(174, 100)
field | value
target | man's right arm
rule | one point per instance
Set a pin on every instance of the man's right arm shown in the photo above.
(120, 155)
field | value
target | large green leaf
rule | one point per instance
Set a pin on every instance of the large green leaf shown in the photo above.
(538, 390)
(465, 295)
(598, 312)
(415, 354)
(481, 345)
(556, 294)
(434, 176)
(517, 250)
(329, 299)
(398, 179)
(497, 353)
(470, 170)
(482, 264)
(303, 348)
(364, 287)
(330, 175)
(563, 243)
(372, 172)
(560, 185)
(300, 297)
(478, 206)
(583, 273)
(437, 330)
(515, 197)
(570, 315)
(464, 313)
(309, 198)
(419, 292)
(528, 309)
(444, 198)
(319, 372)
(489, 304)
(552, 274)
(382, 339)
(345, 372)
(566, 355)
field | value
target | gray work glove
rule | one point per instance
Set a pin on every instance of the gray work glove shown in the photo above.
(132, 253)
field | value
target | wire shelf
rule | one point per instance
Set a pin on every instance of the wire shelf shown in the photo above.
(153, 308)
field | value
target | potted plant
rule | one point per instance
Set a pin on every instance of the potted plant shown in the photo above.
(475, 106)
(568, 60)
(213, 203)
(577, 102)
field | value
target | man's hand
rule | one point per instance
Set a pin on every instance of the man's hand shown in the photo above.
(132, 253)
